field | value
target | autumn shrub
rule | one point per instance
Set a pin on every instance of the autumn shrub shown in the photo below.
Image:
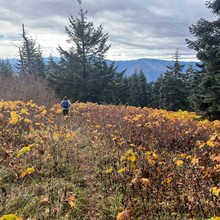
(138, 163)
(38, 164)
(26, 89)
(164, 164)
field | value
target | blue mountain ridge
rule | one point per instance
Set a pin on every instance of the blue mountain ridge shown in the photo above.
(152, 68)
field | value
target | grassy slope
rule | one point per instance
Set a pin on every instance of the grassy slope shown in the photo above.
(95, 163)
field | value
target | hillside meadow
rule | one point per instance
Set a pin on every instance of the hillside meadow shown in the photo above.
(107, 162)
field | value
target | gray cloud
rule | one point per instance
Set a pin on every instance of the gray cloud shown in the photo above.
(137, 29)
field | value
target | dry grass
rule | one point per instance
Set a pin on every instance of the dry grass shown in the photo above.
(26, 89)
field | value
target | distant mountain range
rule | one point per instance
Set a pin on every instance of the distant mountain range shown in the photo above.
(152, 68)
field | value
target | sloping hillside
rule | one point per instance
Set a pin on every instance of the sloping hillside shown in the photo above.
(105, 162)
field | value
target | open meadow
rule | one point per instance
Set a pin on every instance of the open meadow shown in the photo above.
(107, 162)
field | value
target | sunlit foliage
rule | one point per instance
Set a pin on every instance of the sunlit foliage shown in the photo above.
(149, 164)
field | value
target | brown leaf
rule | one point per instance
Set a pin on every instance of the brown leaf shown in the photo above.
(126, 215)
(217, 158)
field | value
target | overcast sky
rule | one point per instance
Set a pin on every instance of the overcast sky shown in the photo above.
(136, 28)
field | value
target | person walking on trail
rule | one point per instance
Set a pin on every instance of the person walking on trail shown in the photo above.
(65, 104)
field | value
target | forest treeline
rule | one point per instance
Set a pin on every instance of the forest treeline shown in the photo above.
(83, 74)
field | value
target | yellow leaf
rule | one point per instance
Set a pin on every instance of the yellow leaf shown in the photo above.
(155, 156)
(14, 118)
(23, 150)
(179, 163)
(217, 168)
(57, 135)
(44, 112)
(210, 143)
(29, 171)
(72, 204)
(169, 180)
(133, 165)
(215, 191)
(24, 111)
(137, 117)
(114, 138)
(132, 158)
(108, 171)
(215, 218)
(122, 170)
(10, 217)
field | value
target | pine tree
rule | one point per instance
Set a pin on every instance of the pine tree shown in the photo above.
(6, 69)
(31, 62)
(157, 96)
(134, 90)
(144, 98)
(83, 72)
(196, 88)
(206, 95)
(189, 79)
(172, 93)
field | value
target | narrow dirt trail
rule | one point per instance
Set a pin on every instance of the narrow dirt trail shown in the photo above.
(89, 186)
(87, 169)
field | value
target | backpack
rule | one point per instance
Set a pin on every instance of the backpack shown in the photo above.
(65, 104)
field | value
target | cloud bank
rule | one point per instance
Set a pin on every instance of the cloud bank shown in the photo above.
(137, 29)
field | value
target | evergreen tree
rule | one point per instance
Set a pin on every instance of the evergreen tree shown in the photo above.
(117, 89)
(83, 74)
(157, 96)
(172, 93)
(139, 91)
(144, 93)
(6, 69)
(134, 90)
(196, 88)
(206, 96)
(150, 86)
(189, 80)
(31, 62)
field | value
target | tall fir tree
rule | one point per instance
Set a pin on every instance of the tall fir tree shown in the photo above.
(6, 69)
(172, 94)
(83, 74)
(31, 62)
(134, 90)
(206, 94)
(157, 95)
(189, 81)
(144, 98)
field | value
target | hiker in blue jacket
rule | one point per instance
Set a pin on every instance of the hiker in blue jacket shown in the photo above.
(65, 104)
